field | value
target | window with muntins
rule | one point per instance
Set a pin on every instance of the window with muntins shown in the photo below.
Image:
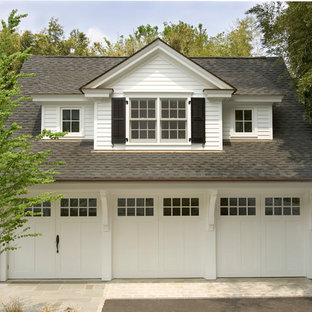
(143, 120)
(42, 209)
(243, 120)
(71, 120)
(181, 206)
(173, 119)
(158, 120)
(282, 206)
(78, 207)
(238, 206)
(135, 207)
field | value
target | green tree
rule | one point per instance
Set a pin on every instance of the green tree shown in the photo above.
(52, 41)
(185, 38)
(77, 43)
(236, 42)
(286, 29)
(194, 41)
(146, 34)
(124, 46)
(20, 167)
(10, 39)
(49, 41)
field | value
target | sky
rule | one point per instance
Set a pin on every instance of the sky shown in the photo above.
(113, 18)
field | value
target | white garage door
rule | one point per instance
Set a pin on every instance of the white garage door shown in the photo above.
(158, 237)
(260, 237)
(76, 223)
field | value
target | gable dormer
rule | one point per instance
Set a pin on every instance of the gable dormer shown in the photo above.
(159, 100)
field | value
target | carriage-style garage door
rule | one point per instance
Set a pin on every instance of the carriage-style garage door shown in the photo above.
(69, 246)
(158, 237)
(260, 237)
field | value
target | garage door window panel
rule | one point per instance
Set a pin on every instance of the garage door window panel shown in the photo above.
(282, 206)
(39, 210)
(181, 206)
(78, 207)
(238, 206)
(135, 207)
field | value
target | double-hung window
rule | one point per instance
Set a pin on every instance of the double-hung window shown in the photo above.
(143, 120)
(71, 120)
(243, 120)
(158, 120)
(173, 120)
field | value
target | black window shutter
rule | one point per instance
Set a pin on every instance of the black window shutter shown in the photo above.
(198, 120)
(118, 120)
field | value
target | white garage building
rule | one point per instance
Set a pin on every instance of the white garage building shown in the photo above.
(175, 167)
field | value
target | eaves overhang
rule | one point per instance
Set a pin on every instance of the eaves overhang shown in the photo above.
(97, 93)
(42, 98)
(217, 93)
(263, 98)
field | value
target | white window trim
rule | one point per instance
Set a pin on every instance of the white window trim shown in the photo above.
(292, 216)
(79, 134)
(237, 196)
(175, 141)
(78, 216)
(252, 134)
(137, 141)
(160, 142)
(158, 114)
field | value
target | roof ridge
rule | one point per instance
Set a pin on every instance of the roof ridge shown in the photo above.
(77, 56)
(234, 57)
(190, 57)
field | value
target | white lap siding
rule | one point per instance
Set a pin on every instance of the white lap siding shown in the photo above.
(88, 121)
(159, 74)
(262, 119)
(102, 128)
(51, 117)
(213, 125)
(264, 122)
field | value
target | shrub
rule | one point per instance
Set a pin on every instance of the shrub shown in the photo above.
(46, 309)
(13, 306)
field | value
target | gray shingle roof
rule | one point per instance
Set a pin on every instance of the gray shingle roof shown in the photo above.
(248, 160)
(63, 74)
(249, 75)
(66, 74)
(288, 156)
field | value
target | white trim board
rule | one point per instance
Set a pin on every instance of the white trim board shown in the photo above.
(257, 98)
(59, 98)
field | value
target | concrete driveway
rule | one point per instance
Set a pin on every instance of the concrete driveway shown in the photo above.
(89, 296)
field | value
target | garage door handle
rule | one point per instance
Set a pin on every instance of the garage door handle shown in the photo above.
(57, 243)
